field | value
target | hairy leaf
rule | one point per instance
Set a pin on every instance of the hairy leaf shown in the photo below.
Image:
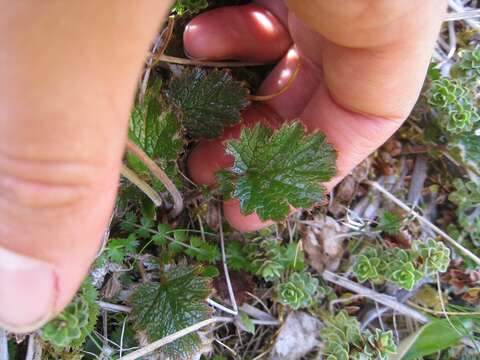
(175, 303)
(207, 101)
(274, 171)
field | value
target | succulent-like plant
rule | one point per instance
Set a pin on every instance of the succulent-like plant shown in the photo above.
(299, 291)
(435, 255)
(367, 266)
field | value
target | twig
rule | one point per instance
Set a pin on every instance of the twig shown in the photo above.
(386, 300)
(30, 348)
(464, 15)
(120, 353)
(279, 92)
(142, 185)
(225, 270)
(184, 61)
(170, 338)
(424, 221)
(3, 345)
(114, 307)
(160, 175)
(221, 307)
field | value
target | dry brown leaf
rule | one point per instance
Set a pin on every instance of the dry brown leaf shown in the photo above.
(324, 243)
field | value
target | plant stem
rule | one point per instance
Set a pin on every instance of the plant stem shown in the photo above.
(142, 185)
(184, 61)
(160, 175)
(279, 92)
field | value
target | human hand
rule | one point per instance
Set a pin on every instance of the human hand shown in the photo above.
(363, 64)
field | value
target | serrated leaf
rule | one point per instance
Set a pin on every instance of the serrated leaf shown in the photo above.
(274, 171)
(202, 250)
(207, 101)
(177, 302)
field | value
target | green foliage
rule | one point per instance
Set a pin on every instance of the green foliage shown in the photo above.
(247, 323)
(402, 267)
(467, 198)
(390, 223)
(203, 251)
(367, 266)
(299, 291)
(272, 259)
(175, 303)
(189, 6)
(207, 101)
(436, 256)
(274, 171)
(155, 130)
(468, 66)
(72, 326)
(343, 340)
(118, 249)
(455, 103)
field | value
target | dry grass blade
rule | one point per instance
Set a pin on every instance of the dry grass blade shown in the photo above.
(160, 175)
(192, 62)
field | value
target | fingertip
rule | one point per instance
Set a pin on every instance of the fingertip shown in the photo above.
(205, 160)
(241, 222)
(248, 32)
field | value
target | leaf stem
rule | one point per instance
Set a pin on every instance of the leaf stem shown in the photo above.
(280, 91)
(142, 185)
(160, 175)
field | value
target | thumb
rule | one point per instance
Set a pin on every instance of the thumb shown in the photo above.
(67, 74)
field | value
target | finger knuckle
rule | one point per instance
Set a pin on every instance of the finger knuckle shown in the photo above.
(34, 184)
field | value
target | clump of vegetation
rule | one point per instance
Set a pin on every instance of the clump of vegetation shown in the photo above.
(402, 267)
(344, 340)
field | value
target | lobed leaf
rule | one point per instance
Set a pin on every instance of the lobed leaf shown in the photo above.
(275, 171)
(207, 101)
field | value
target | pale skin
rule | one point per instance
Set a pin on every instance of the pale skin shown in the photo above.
(68, 74)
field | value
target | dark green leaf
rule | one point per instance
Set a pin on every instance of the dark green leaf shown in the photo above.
(207, 101)
(274, 171)
(177, 302)
(190, 6)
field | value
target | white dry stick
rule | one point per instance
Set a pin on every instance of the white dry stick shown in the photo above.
(227, 274)
(3, 345)
(386, 300)
(221, 307)
(425, 221)
(114, 307)
(461, 14)
(30, 348)
(170, 338)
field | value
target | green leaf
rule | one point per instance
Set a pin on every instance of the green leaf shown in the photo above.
(299, 291)
(237, 256)
(162, 309)
(117, 249)
(247, 323)
(432, 337)
(70, 328)
(207, 101)
(191, 6)
(390, 223)
(203, 251)
(274, 171)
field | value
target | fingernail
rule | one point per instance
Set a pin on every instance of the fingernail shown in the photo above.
(27, 292)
